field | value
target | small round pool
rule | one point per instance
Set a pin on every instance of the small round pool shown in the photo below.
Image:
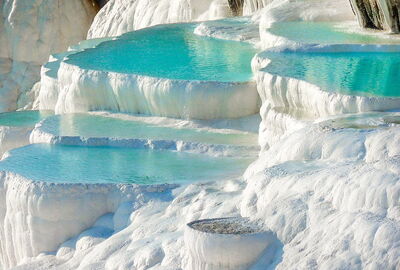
(89, 126)
(327, 33)
(75, 164)
(23, 118)
(172, 52)
(349, 73)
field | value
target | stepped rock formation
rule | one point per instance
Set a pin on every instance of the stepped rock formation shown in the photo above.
(378, 14)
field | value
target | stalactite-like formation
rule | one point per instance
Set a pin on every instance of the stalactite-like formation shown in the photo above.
(236, 7)
(378, 14)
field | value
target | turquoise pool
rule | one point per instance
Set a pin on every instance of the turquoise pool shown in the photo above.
(326, 33)
(87, 125)
(74, 164)
(173, 52)
(350, 73)
(23, 118)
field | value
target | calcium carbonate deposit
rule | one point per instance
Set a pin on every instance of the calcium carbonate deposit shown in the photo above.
(202, 141)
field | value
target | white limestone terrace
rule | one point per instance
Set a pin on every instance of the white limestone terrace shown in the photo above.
(120, 16)
(238, 28)
(16, 127)
(322, 188)
(140, 132)
(198, 83)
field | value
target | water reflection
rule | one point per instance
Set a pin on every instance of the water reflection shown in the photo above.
(352, 73)
(171, 51)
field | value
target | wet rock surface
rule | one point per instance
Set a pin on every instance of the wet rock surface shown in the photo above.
(378, 14)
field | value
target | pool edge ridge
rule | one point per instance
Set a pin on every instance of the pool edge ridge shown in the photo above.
(81, 90)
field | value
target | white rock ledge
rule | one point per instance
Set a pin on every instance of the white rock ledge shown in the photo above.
(292, 94)
(37, 217)
(82, 90)
(40, 136)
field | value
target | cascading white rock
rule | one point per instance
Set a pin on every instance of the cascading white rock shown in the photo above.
(251, 6)
(29, 32)
(121, 16)
(305, 10)
(82, 90)
(36, 217)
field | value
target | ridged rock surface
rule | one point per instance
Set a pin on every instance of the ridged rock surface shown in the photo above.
(378, 14)
(29, 32)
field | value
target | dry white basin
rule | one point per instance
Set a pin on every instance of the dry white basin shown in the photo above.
(224, 243)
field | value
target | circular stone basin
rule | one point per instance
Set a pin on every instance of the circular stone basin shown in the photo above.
(91, 126)
(172, 52)
(327, 33)
(349, 73)
(228, 243)
(23, 118)
(75, 164)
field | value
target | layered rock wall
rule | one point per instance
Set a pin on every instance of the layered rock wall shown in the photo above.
(378, 14)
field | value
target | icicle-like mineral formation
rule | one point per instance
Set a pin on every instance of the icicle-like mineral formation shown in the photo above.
(378, 14)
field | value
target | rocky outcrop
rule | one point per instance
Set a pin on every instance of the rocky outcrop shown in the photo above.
(378, 14)
(29, 32)
(236, 7)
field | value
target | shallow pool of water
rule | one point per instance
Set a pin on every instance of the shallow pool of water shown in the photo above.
(23, 118)
(87, 125)
(173, 52)
(74, 164)
(327, 33)
(350, 73)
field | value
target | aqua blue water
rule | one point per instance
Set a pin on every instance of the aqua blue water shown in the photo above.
(23, 118)
(87, 125)
(173, 52)
(74, 164)
(350, 73)
(326, 33)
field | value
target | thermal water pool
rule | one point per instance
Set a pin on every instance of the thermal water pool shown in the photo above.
(23, 118)
(89, 126)
(75, 164)
(327, 33)
(172, 52)
(349, 73)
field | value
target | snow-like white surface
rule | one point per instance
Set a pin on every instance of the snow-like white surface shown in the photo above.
(121, 16)
(238, 29)
(38, 217)
(29, 32)
(329, 193)
(217, 251)
(80, 90)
